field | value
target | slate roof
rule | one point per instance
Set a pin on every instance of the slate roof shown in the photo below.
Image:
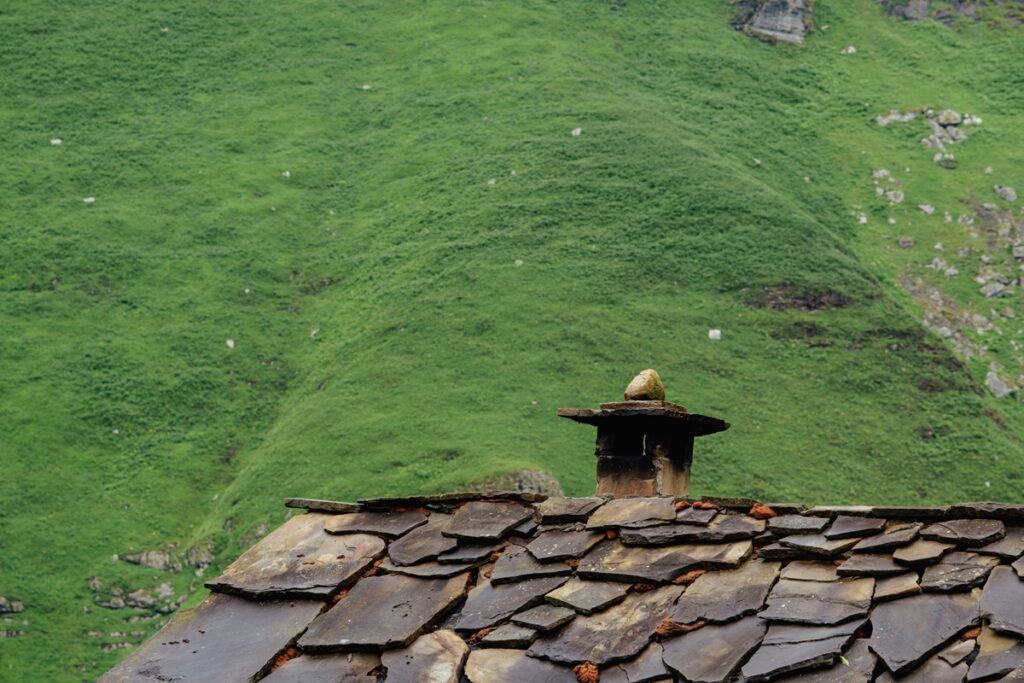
(517, 588)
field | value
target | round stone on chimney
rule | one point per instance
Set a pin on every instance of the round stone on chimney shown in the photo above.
(646, 386)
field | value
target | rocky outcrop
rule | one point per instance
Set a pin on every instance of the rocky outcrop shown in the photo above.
(783, 21)
(946, 126)
(949, 11)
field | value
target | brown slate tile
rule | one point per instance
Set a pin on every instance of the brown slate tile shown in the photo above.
(846, 526)
(505, 666)
(561, 510)
(488, 604)
(859, 668)
(1004, 511)
(423, 543)
(510, 635)
(383, 612)
(921, 553)
(1018, 567)
(587, 597)
(865, 564)
(314, 505)
(728, 594)
(429, 570)
(224, 638)
(388, 524)
(469, 552)
(692, 515)
(893, 537)
(454, 498)
(646, 668)
(486, 521)
(912, 512)
(966, 533)
(819, 603)
(1010, 547)
(998, 655)
(797, 524)
(617, 633)
(932, 670)
(713, 654)
(906, 632)
(1002, 601)
(818, 545)
(804, 570)
(616, 562)
(723, 528)
(894, 587)
(436, 657)
(630, 512)
(299, 559)
(958, 651)
(546, 617)
(957, 571)
(526, 529)
(562, 545)
(849, 510)
(516, 564)
(777, 551)
(788, 648)
(351, 667)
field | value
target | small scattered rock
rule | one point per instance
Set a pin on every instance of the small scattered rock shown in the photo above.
(89, 200)
(55, 141)
(10, 605)
(646, 386)
(715, 334)
(926, 208)
(895, 196)
(230, 343)
(1006, 192)
(576, 132)
(997, 386)
(848, 50)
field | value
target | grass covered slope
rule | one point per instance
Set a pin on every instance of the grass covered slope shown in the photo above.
(444, 264)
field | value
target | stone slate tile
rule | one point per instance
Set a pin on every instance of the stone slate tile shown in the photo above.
(804, 570)
(797, 524)
(561, 510)
(1010, 547)
(864, 564)
(298, 559)
(958, 651)
(723, 528)
(314, 505)
(616, 562)
(1002, 601)
(618, 633)
(998, 655)
(545, 617)
(726, 595)
(563, 545)
(921, 552)
(819, 603)
(692, 515)
(469, 552)
(488, 604)
(423, 543)
(516, 564)
(850, 510)
(587, 597)
(224, 638)
(933, 670)
(389, 524)
(846, 526)
(906, 632)
(352, 667)
(383, 612)
(787, 648)
(486, 521)
(893, 587)
(526, 529)
(893, 537)
(966, 533)
(428, 570)
(818, 545)
(628, 512)
(505, 666)
(1018, 567)
(436, 657)
(509, 635)
(911, 512)
(1011, 511)
(859, 668)
(957, 571)
(777, 551)
(713, 653)
(647, 667)
(455, 498)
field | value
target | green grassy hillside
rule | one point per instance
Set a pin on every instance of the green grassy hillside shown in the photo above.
(381, 205)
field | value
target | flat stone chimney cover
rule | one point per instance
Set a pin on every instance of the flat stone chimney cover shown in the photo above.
(644, 446)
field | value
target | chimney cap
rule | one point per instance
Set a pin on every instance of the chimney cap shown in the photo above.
(667, 415)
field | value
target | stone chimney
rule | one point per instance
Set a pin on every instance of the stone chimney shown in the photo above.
(644, 443)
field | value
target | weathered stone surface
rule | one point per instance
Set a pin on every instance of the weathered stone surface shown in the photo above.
(804, 570)
(957, 652)
(469, 552)
(525, 529)
(818, 545)
(1018, 567)
(1002, 601)
(957, 571)
(314, 505)
(905, 632)
(933, 670)
(998, 655)
(516, 563)
(429, 570)
(435, 657)
(488, 604)
(504, 666)
(646, 386)
(647, 667)
(486, 521)
(509, 635)
(617, 562)
(864, 564)
(628, 512)
(618, 633)
(777, 551)
(713, 653)
(723, 528)
(383, 612)
(893, 537)
(384, 523)
(692, 515)
(787, 648)
(784, 21)
(851, 510)
(299, 559)
(1004, 511)
(560, 510)
(819, 603)
(587, 597)
(546, 617)
(225, 638)
(1010, 547)
(563, 545)
(859, 668)
(450, 499)
(846, 526)
(966, 533)
(893, 587)
(797, 524)
(726, 595)
(921, 552)
(352, 667)
(423, 543)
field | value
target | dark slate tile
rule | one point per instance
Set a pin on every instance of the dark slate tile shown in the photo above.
(388, 524)
(451, 499)
(224, 638)
(313, 505)
(469, 552)
(1002, 601)
(351, 667)
(864, 564)
(484, 521)
(1010, 547)
(958, 651)
(646, 668)
(526, 529)
(921, 553)
(933, 670)
(777, 551)
(489, 604)
(563, 545)
(723, 528)
(616, 562)
(849, 510)
(692, 515)
(787, 648)
(383, 612)
(1004, 511)
(713, 653)
(726, 595)
(998, 655)
(618, 633)
(587, 597)
(545, 617)
(804, 570)
(846, 526)
(818, 545)
(911, 512)
(958, 571)
(436, 657)
(561, 510)
(628, 512)
(894, 587)
(510, 635)
(505, 666)
(893, 537)
(423, 543)
(797, 524)
(298, 559)
(966, 533)
(516, 564)
(819, 603)
(906, 632)
(1018, 567)
(429, 570)
(859, 668)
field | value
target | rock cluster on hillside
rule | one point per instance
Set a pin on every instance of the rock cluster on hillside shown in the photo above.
(948, 11)
(786, 21)
(946, 127)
